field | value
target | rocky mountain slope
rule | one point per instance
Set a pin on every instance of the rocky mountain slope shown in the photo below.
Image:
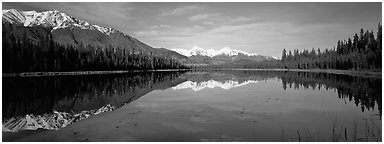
(68, 30)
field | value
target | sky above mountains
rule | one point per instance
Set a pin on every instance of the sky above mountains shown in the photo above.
(263, 28)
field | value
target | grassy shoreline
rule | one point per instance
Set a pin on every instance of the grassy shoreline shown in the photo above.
(343, 72)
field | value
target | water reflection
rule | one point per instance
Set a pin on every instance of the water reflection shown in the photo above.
(365, 92)
(197, 86)
(55, 102)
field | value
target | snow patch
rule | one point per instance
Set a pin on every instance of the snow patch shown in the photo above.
(54, 19)
(211, 52)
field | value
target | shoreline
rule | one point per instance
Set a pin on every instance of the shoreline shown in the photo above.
(332, 71)
(35, 74)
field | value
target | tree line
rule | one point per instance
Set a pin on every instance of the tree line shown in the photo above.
(28, 55)
(362, 52)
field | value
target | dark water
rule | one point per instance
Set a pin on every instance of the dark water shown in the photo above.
(197, 106)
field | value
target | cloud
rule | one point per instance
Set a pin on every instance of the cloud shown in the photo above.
(157, 30)
(243, 19)
(231, 28)
(209, 23)
(198, 27)
(181, 10)
(161, 26)
(147, 33)
(201, 17)
(218, 19)
(168, 30)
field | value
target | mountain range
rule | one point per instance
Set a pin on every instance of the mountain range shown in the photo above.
(223, 56)
(67, 30)
(211, 52)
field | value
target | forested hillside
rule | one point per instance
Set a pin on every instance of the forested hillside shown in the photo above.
(27, 55)
(54, 41)
(362, 52)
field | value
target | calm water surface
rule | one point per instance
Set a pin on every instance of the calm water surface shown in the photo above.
(193, 106)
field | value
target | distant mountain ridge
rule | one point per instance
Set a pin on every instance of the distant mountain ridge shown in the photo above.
(211, 52)
(200, 56)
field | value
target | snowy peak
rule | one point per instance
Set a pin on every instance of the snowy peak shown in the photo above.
(13, 16)
(226, 85)
(47, 18)
(211, 52)
(54, 19)
(199, 51)
(194, 51)
(231, 52)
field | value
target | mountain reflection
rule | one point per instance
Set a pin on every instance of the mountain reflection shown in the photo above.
(196, 86)
(73, 94)
(56, 101)
(365, 92)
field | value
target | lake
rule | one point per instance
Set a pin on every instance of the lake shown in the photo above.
(193, 106)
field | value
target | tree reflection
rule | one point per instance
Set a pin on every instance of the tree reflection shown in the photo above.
(364, 91)
(73, 94)
(40, 95)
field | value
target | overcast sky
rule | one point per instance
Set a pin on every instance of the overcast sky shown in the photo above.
(263, 28)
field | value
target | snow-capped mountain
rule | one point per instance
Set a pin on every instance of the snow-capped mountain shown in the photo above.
(196, 86)
(226, 55)
(67, 30)
(54, 19)
(211, 52)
